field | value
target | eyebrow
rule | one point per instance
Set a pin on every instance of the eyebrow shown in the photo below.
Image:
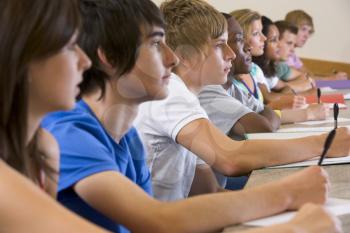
(156, 33)
(220, 40)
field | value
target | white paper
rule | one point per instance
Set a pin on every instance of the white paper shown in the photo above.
(335, 206)
(314, 161)
(329, 120)
(347, 96)
(298, 129)
(327, 90)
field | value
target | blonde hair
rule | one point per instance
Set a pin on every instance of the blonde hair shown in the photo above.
(245, 17)
(300, 17)
(190, 24)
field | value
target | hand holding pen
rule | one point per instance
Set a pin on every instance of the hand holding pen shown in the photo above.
(331, 135)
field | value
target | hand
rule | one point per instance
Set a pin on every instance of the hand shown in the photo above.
(340, 146)
(308, 185)
(340, 76)
(298, 102)
(317, 112)
(315, 219)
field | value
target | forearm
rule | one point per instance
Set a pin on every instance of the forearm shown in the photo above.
(254, 154)
(293, 115)
(208, 213)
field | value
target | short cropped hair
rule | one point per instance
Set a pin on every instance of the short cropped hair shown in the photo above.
(191, 24)
(115, 27)
(245, 17)
(299, 17)
(283, 26)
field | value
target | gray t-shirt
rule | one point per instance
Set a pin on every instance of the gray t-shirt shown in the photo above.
(222, 107)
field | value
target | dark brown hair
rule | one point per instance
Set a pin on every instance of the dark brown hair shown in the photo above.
(114, 26)
(283, 26)
(30, 30)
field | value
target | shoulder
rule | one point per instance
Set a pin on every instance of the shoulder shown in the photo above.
(47, 144)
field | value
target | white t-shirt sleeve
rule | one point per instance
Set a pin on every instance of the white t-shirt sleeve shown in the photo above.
(170, 115)
(261, 79)
(272, 82)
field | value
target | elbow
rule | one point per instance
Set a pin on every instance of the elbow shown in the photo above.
(232, 167)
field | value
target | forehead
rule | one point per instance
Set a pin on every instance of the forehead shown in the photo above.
(233, 26)
(273, 31)
(150, 31)
(288, 35)
(222, 37)
(256, 24)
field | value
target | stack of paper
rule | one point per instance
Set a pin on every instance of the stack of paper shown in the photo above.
(298, 129)
(335, 206)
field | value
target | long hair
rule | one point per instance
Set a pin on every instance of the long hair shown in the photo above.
(267, 65)
(30, 30)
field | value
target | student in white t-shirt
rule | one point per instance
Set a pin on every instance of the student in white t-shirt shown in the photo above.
(174, 128)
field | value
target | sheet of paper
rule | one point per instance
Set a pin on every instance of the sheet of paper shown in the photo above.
(336, 206)
(314, 161)
(329, 120)
(347, 96)
(328, 90)
(280, 136)
(299, 129)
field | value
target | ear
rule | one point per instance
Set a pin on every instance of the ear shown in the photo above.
(103, 59)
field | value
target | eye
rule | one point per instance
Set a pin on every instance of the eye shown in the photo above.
(156, 43)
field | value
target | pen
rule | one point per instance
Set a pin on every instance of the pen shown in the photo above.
(327, 145)
(293, 91)
(318, 95)
(336, 113)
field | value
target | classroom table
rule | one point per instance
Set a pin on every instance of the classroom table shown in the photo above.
(339, 176)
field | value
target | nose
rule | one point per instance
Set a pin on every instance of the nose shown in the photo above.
(229, 54)
(170, 59)
(262, 37)
(84, 61)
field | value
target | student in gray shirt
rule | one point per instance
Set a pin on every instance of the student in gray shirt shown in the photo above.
(228, 107)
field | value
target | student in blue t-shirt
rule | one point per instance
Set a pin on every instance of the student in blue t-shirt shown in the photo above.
(103, 173)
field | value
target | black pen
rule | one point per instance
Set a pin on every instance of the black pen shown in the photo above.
(293, 91)
(327, 145)
(336, 113)
(318, 95)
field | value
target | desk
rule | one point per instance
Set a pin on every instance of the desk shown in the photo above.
(339, 176)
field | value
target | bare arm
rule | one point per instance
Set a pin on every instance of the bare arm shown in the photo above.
(203, 213)
(311, 113)
(240, 157)
(25, 208)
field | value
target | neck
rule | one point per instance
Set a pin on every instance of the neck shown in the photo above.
(114, 112)
(191, 79)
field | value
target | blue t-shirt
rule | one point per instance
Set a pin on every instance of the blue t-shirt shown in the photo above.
(86, 149)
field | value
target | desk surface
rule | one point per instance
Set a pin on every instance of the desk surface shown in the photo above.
(339, 176)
